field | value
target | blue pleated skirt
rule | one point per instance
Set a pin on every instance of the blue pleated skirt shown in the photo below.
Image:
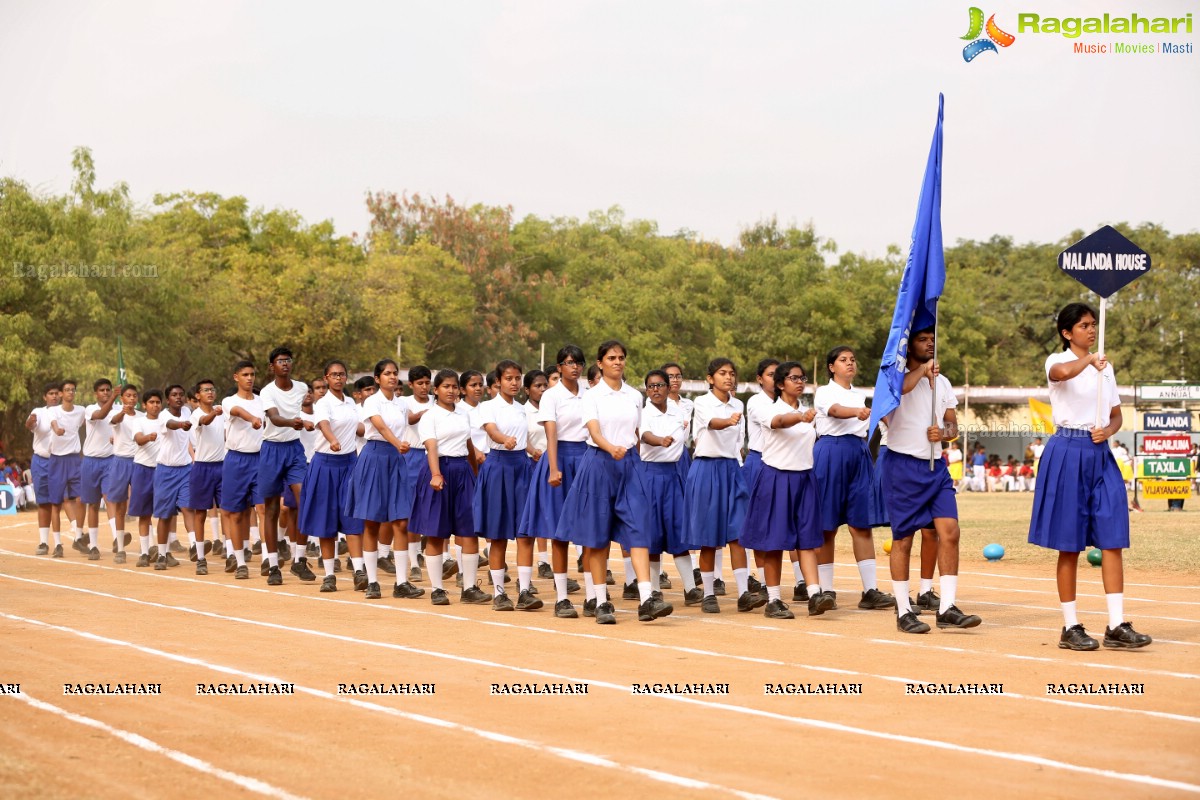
(1079, 499)
(784, 512)
(846, 479)
(445, 513)
(607, 503)
(500, 494)
(414, 460)
(379, 488)
(878, 507)
(715, 497)
(751, 467)
(543, 505)
(323, 510)
(665, 517)
(684, 464)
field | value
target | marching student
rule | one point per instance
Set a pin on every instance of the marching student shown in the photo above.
(446, 487)
(552, 376)
(97, 457)
(376, 492)
(471, 393)
(715, 491)
(560, 413)
(38, 423)
(204, 478)
(927, 598)
(607, 501)
(323, 509)
(663, 433)
(146, 430)
(1079, 500)
(239, 471)
(785, 502)
(536, 384)
(493, 386)
(916, 495)
(674, 374)
(281, 462)
(419, 402)
(845, 475)
(66, 464)
(503, 486)
(172, 475)
(120, 472)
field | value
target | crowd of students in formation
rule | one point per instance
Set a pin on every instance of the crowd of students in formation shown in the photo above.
(433, 484)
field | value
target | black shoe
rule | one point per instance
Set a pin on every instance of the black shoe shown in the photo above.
(248, 554)
(243, 573)
(275, 577)
(630, 592)
(819, 603)
(264, 568)
(387, 566)
(201, 567)
(44, 549)
(350, 564)
(439, 597)
(696, 577)
(300, 569)
(606, 614)
(337, 565)
(953, 618)
(533, 589)
(800, 592)
(406, 591)
(161, 564)
(653, 609)
(329, 584)
(312, 550)
(579, 564)
(77, 544)
(143, 561)
(608, 578)
(910, 624)
(914, 608)
(1124, 636)
(833, 596)
(777, 609)
(94, 554)
(663, 581)
(754, 585)
(710, 604)
(458, 580)
(256, 548)
(875, 599)
(563, 609)
(360, 580)
(545, 571)
(1076, 638)
(58, 553)
(589, 607)
(750, 601)
(719, 587)
(573, 586)
(929, 601)
(421, 556)
(527, 602)
(373, 592)
(283, 551)
(449, 568)
(501, 602)
(474, 596)
(342, 547)
(414, 574)
(153, 552)
(175, 547)
(230, 563)
(693, 597)
(119, 558)
(172, 561)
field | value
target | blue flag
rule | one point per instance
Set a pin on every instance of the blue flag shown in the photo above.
(920, 286)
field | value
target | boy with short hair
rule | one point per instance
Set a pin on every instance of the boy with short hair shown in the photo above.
(38, 423)
(97, 458)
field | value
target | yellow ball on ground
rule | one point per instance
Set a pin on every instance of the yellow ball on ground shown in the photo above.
(887, 545)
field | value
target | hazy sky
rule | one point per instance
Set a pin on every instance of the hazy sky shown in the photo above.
(701, 115)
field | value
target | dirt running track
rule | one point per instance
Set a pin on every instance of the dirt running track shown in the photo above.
(71, 621)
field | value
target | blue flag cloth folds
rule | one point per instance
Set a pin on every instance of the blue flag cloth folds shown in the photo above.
(920, 286)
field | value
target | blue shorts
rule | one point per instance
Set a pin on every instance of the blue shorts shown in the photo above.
(1079, 499)
(204, 485)
(141, 491)
(915, 495)
(171, 490)
(91, 478)
(40, 469)
(322, 503)
(280, 464)
(65, 472)
(239, 481)
(116, 482)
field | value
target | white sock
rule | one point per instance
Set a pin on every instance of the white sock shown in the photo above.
(433, 565)
(866, 571)
(254, 536)
(216, 528)
(719, 563)
(524, 578)
(414, 549)
(357, 562)
(644, 590)
(1070, 618)
(57, 538)
(630, 575)
(825, 577)
(371, 562)
(708, 578)
(742, 578)
(297, 551)
(560, 585)
(1116, 609)
(328, 563)
(229, 548)
(384, 550)
(401, 566)
(655, 568)
(497, 581)
(772, 593)
(273, 558)
(797, 573)
(589, 587)
(601, 594)
(903, 601)
(191, 538)
(112, 527)
(470, 569)
(144, 543)
(926, 585)
(44, 535)
(949, 587)
(240, 556)
(683, 563)
(543, 557)
(74, 531)
(120, 541)
(93, 537)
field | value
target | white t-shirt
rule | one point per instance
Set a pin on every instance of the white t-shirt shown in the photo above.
(123, 444)
(98, 435)
(757, 407)
(147, 454)
(288, 406)
(725, 443)
(394, 414)
(619, 411)
(788, 448)
(309, 438)
(240, 435)
(687, 406)
(411, 434)
(450, 430)
(909, 423)
(565, 410)
(830, 395)
(1037, 450)
(1073, 402)
(343, 418)
(479, 437)
(71, 421)
(535, 434)
(208, 440)
(660, 423)
(509, 418)
(42, 430)
(173, 444)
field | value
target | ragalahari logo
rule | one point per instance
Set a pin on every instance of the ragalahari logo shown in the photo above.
(995, 36)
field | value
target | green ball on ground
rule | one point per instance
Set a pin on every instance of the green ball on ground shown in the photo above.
(1094, 556)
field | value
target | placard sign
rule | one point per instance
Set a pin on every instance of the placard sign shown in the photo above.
(1167, 445)
(1167, 421)
(1104, 261)
(1172, 467)
(1167, 490)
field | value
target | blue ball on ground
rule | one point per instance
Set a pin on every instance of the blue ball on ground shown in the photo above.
(993, 552)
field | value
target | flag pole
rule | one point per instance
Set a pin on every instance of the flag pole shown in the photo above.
(933, 386)
(1101, 419)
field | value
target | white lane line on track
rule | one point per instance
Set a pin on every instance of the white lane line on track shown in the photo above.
(1083, 581)
(137, 740)
(1145, 780)
(590, 759)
